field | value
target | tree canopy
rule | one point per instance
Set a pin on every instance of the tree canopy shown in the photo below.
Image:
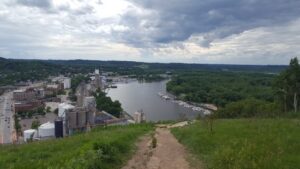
(220, 87)
(242, 94)
(287, 86)
(105, 103)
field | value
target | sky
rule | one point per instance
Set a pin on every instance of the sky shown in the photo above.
(188, 31)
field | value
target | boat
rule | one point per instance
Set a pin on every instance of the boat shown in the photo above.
(207, 112)
(187, 105)
(166, 97)
(113, 86)
(197, 108)
(181, 103)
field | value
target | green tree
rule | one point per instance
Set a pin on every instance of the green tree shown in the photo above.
(35, 124)
(282, 87)
(48, 109)
(56, 111)
(288, 85)
(105, 103)
(18, 126)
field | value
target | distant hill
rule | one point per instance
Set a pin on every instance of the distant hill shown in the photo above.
(173, 66)
(92, 64)
(18, 70)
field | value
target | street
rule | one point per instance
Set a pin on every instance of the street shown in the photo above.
(6, 118)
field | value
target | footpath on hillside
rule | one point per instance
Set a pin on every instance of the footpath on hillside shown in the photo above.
(167, 153)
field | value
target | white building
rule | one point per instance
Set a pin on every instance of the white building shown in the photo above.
(46, 130)
(97, 71)
(62, 108)
(29, 134)
(67, 83)
(52, 86)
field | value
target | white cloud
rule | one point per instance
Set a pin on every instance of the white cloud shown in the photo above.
(152, 31)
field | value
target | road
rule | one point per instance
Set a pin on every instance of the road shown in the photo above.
(6, 119)
(7, 130)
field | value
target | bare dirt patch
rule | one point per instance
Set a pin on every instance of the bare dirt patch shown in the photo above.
(167, 154)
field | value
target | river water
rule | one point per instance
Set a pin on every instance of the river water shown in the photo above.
(136, 96)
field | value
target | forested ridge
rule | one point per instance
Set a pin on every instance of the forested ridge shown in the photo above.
(221, 88)
(13, 71)
(242, 94)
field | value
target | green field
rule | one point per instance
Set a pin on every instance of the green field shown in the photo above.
(104, 148)
(244, 143)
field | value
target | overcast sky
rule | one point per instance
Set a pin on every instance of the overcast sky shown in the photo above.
(191, 31)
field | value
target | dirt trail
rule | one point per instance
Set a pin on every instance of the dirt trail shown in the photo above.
(168, 153)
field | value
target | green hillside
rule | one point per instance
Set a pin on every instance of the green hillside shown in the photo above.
(104, 148)
(244, 143)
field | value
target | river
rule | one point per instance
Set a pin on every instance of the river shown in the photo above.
(136, 96)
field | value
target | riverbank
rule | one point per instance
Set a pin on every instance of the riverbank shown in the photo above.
(203, 108)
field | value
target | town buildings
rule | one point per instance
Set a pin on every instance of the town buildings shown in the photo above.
(24, 94)
(139, 117)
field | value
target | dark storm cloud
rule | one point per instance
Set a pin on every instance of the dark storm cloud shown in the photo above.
(178, 20)
(36, 3)
(46, 6)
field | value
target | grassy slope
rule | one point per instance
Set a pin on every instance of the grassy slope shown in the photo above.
(103, 148)
(245, 143)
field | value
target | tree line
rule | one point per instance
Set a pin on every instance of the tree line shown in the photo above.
(242, 94)
(13, 71)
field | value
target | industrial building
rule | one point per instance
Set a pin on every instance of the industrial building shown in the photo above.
(28, 105)
(63, 108)
(79, 119)
(22, 95)
(97, 81)
(81, 93)
(59, 128)
(28, 94)
(52, 89)
(89, 103)
(53, 86)
(65, 82)
(46, 130)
